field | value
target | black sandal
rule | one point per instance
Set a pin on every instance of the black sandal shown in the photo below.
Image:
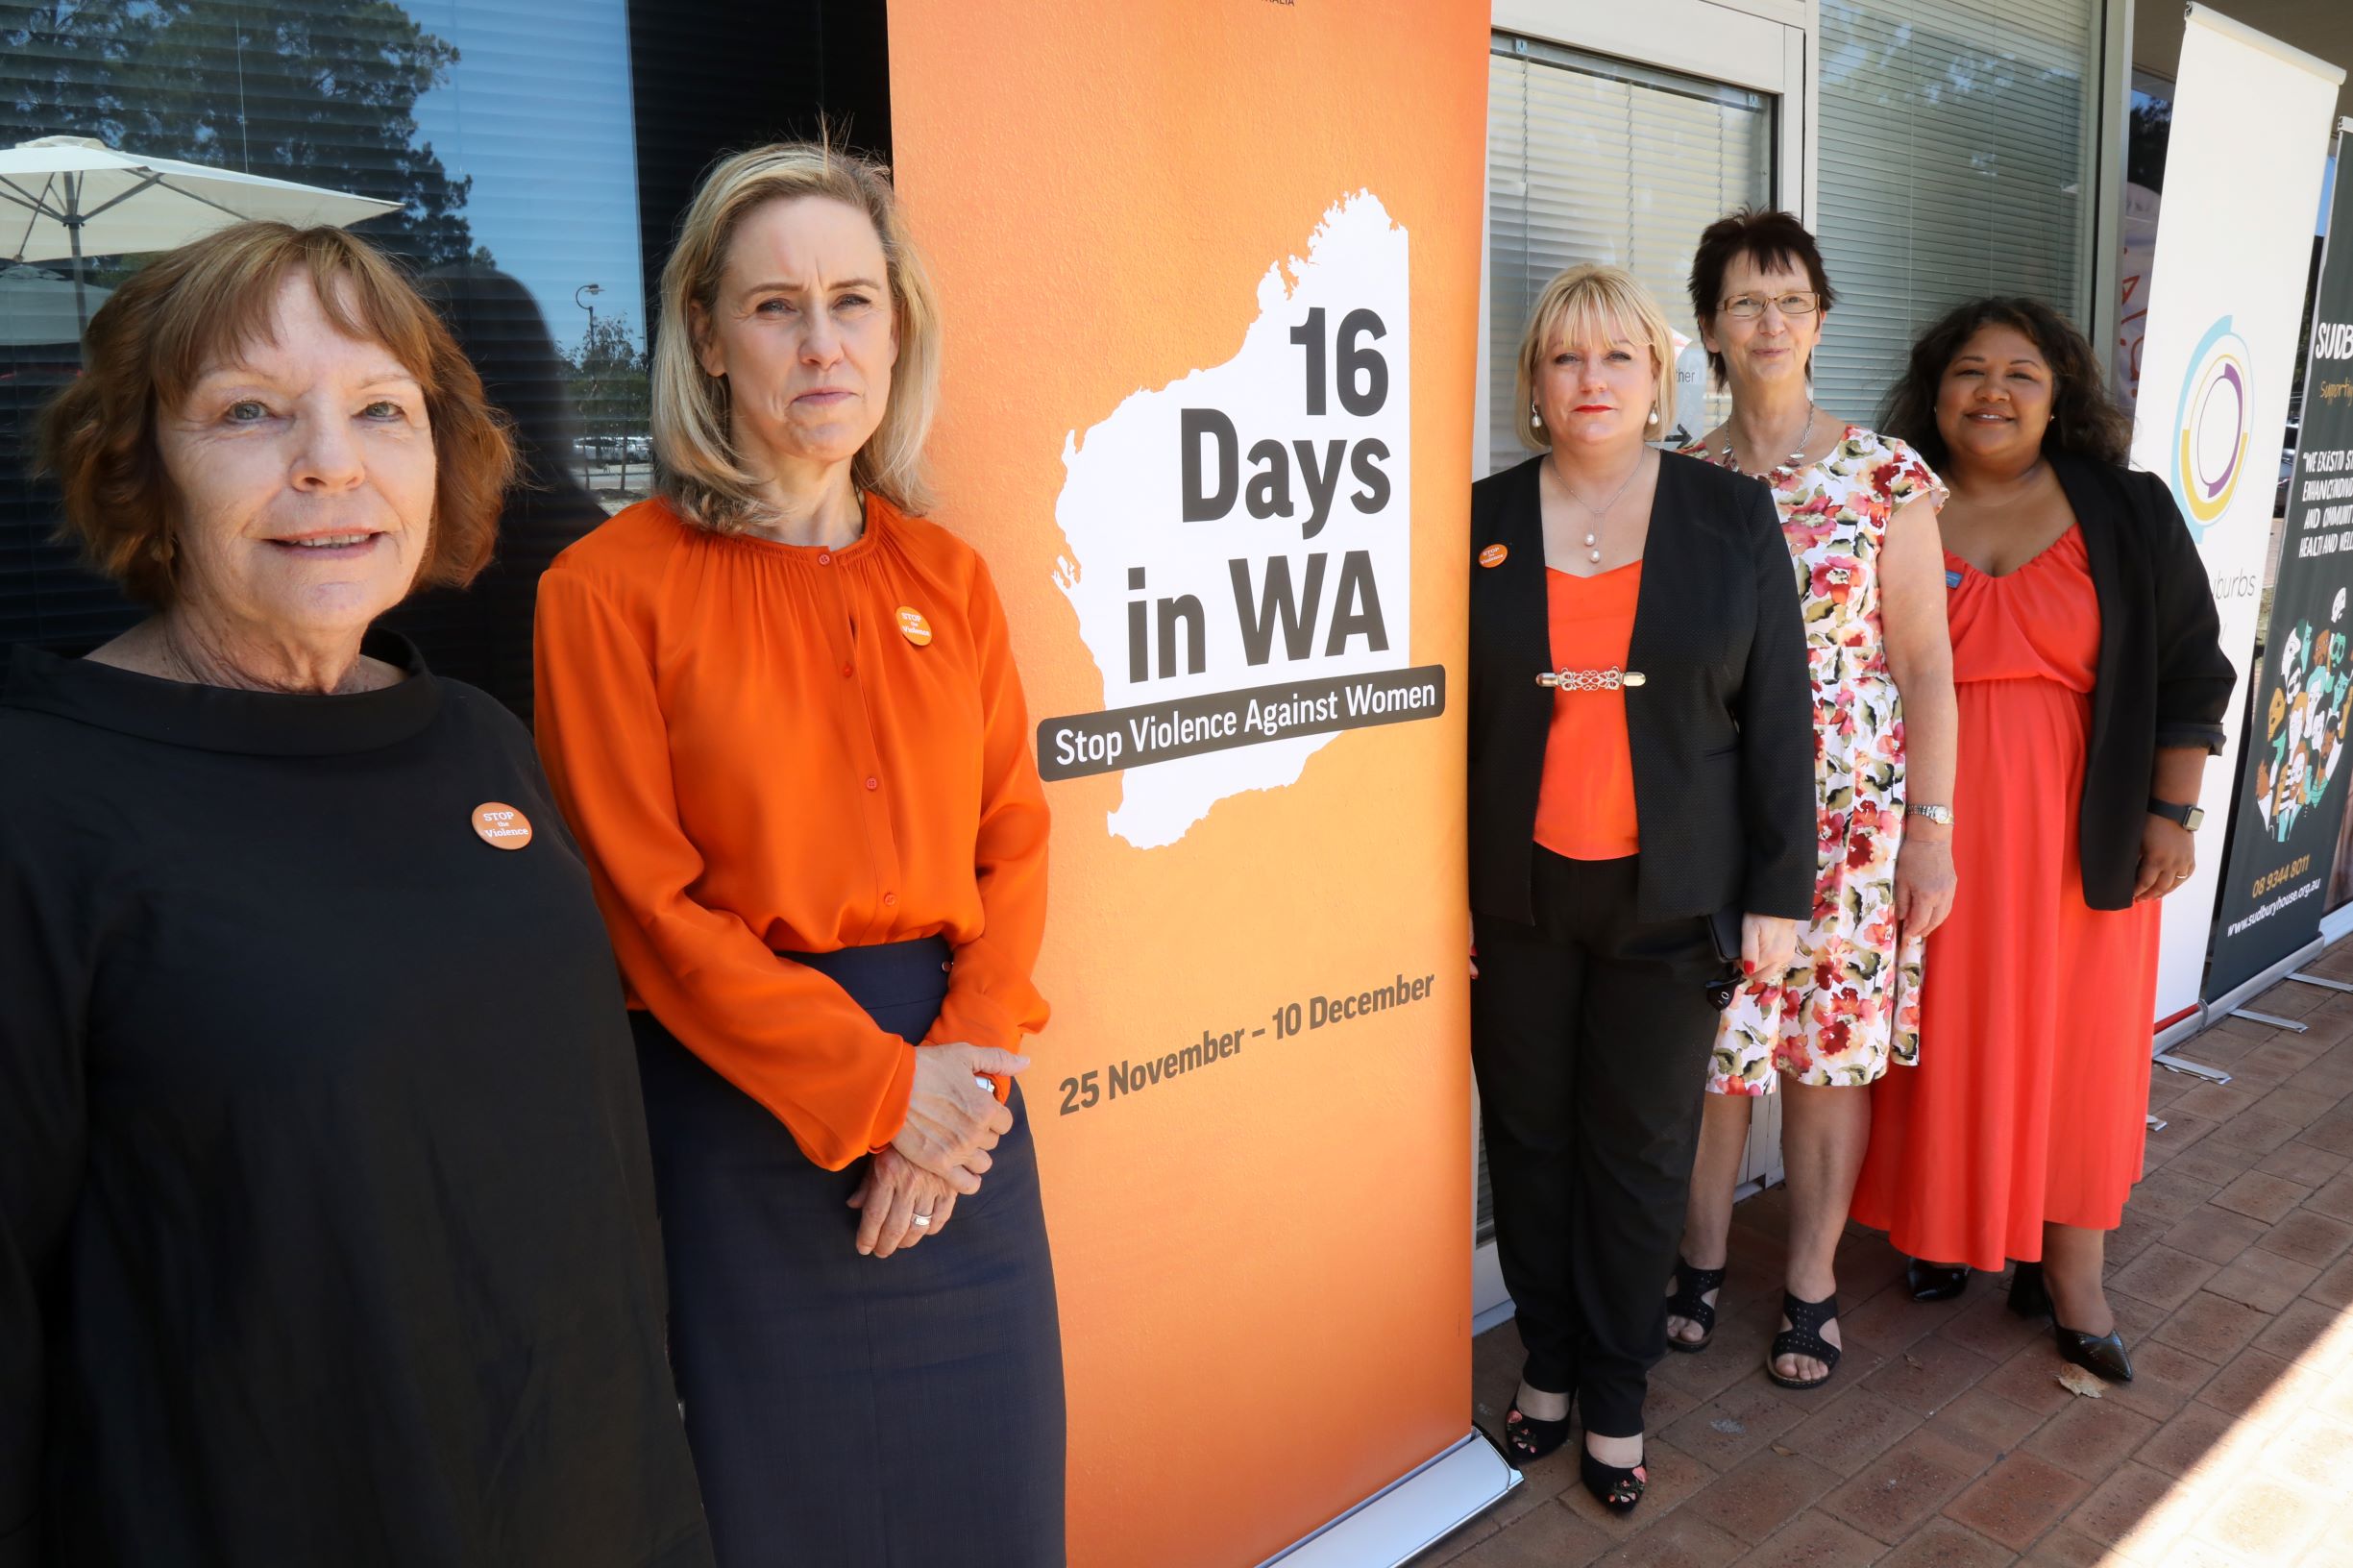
(1528, 1439)
(1804, 1338)
(1690, 1284)
(1615, 1487)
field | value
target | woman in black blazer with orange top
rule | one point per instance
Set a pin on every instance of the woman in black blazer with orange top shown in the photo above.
(1642, 831)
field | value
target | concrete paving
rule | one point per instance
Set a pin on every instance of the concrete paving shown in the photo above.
(1946, 1437)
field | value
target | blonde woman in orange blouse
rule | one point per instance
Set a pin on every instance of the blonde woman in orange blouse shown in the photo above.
(779, 708)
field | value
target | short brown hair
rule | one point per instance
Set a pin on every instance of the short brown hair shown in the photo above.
(193, 307)
(1766, 236)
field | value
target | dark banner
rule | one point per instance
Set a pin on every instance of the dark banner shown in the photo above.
(2292, 799)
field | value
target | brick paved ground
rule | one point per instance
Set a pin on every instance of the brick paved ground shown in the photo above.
(1946, 1437)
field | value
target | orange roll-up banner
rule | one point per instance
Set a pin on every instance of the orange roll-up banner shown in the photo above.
(1210, 276)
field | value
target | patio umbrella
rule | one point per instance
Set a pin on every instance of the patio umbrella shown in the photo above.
(73, 196)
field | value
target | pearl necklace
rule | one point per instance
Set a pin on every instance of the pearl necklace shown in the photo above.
(1796, 460)
(1593, 551)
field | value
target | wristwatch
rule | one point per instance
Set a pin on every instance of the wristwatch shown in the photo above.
(1941, 816)
(2188, 817)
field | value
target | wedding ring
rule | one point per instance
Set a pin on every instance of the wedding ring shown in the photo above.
(922, 1219)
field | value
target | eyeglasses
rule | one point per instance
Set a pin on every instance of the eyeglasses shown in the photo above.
(1750, 306)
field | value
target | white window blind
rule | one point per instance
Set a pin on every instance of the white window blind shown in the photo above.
(1956, 159)
(1598, 159)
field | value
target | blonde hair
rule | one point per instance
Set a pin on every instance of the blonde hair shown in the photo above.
(699, 470)
(1593, 303)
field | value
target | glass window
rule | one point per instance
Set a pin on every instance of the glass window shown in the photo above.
(1595, 160)
(502, 127)
(1956, 159)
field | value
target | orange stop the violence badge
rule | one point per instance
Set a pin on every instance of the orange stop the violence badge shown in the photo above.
(501, 826)
(913, 627)
(1493, 556)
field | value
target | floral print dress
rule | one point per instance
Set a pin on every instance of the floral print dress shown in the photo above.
(1849, 1004)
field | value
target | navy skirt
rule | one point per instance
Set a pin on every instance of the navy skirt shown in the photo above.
(845, 1411)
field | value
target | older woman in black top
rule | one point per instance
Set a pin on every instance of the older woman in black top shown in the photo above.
(1642, 833)
(2092, 688)
(326, 1223)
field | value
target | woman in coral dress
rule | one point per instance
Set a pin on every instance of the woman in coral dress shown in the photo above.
(2092, 688)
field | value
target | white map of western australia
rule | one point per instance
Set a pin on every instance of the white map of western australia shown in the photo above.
(1283, 474)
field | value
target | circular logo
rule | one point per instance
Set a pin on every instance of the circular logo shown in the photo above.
(501, 826)
(913, 627)
(2212, 426)
(1493, 556)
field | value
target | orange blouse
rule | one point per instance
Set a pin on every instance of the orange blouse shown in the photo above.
(1586, 804)
(762, 753)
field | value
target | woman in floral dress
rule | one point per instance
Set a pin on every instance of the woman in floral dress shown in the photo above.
(1859, 511)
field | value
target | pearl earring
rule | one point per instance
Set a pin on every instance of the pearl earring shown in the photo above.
(1653, 419)
(1535, 421)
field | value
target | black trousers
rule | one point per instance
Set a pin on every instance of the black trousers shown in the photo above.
(847, 1411)
(1590, 1036)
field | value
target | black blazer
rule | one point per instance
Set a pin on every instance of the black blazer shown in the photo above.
(1721, 730)
(2163, 679)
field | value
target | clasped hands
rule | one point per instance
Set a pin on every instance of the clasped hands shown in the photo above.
(942, 1150)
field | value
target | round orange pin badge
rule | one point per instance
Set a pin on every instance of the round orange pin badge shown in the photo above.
(913, 627)
(1493, 556)
(501, 826)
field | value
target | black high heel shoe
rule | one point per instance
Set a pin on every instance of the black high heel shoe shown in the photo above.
(1935, 1281)
(2029, 1296)
(2103, 1357)
(1528, 1439)
(1615, 1487)
(2100, 1355)
(1690, 1285)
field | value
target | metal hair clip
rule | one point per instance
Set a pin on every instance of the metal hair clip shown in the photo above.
(1590, 680)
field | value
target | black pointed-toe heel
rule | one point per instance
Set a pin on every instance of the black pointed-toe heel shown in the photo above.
(1804, 1338)
(1935, 1281)
(1528, 1439)
(2102, 1355)
(2029, 1296)
(1615, 1488)
(1691, 1285)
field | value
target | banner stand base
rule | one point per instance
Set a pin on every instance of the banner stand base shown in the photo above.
(2267, 1019)
(2321, 980)
(1411, 1514)
(2194, 1070)
(2216, 1009)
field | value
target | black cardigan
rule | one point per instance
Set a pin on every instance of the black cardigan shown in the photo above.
(2163, 679)
(1721, 731)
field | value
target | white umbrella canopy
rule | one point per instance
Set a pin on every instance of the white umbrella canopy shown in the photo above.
(64, 197)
